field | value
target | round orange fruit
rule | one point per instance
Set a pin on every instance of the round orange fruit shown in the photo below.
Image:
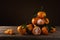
(36, 30)
(44, 30)
(40, 21)
(9, 31)
(30, 27)
(53, 30)
(21, 30)
(34, 20)
(41, 14)
(47, 21)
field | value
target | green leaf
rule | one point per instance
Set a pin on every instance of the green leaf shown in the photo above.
(24, 25)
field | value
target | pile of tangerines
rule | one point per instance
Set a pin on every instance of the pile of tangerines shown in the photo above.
(37, 27)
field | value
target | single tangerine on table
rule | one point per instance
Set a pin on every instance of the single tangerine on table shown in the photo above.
(21, 30)
(9, 31)
(45, 30)
(53, 30)
(36, 30)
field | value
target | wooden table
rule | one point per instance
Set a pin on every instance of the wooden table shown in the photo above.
(17, 36)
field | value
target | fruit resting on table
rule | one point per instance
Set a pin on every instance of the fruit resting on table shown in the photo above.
(30, 27)
(39, 25)
(36, 30)
(21, 30)
(9, 31)
(53, 30)
(45, 30)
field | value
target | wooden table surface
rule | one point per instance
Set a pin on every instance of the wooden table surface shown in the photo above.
(55, 36)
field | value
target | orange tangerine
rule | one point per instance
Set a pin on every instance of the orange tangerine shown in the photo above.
(41, 14)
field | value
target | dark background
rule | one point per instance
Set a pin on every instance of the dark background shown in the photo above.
(17, 12)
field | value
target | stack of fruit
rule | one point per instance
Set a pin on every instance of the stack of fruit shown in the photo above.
(39, 25)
